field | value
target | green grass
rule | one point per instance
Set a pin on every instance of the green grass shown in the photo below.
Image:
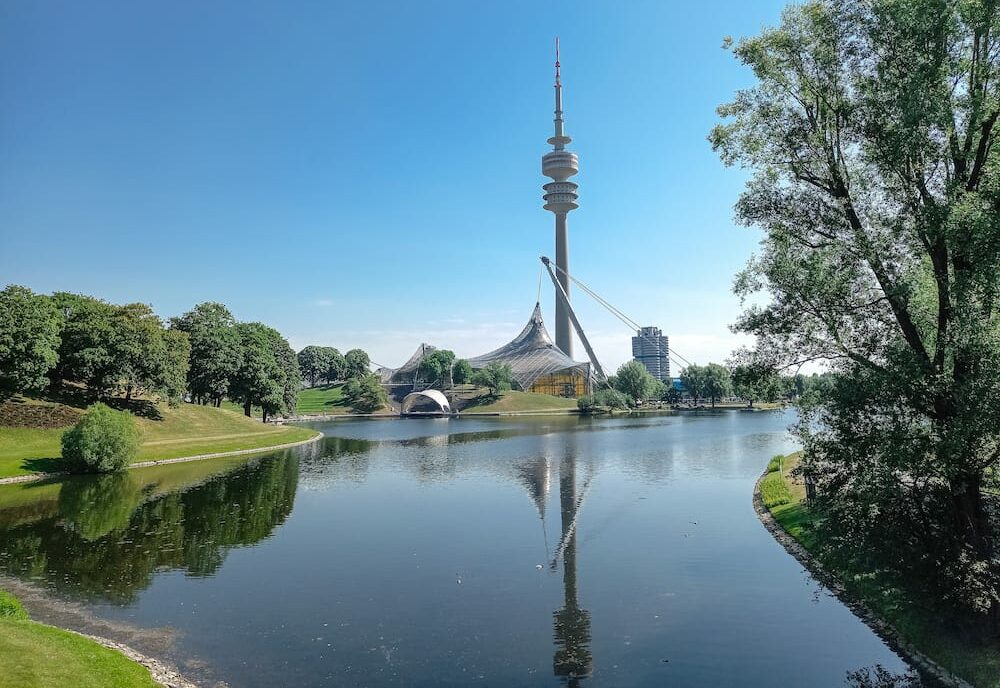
(519, 402)
(187, 430)
(975, 659)
(33, 655)
(327, 399)
(10, 607)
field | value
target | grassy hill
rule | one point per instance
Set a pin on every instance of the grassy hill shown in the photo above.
(167, 433)
(516, 402)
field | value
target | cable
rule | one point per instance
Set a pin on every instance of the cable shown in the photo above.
(631, 324)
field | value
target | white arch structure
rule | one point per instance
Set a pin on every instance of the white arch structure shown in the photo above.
(434, 395)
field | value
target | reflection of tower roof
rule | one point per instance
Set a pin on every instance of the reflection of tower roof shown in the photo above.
(406, 373)
(532, 355)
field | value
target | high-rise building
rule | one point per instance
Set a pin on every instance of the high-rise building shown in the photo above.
(560, 197)
(651, 348)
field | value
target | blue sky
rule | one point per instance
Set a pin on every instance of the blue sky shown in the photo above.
(368, 174)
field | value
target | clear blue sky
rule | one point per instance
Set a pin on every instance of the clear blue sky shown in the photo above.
(368, 174)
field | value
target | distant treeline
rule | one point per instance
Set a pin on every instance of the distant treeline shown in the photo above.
(128, 351)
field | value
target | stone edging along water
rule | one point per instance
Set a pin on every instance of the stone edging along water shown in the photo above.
(34, 477)
(164, 674)
(882, 628)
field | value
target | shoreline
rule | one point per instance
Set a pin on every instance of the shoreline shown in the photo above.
(35, 477)
(924, 665)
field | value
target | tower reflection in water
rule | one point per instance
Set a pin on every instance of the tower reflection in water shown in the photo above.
(571, 624)
(572, 661)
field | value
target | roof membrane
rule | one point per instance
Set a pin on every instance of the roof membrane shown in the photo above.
(532, 355)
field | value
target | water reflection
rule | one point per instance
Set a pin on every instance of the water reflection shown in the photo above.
(573, 660)
(111, 533)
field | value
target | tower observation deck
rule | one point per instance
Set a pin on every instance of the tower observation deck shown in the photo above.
(560, 197)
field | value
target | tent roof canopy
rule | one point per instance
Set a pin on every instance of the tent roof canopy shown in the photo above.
(532, 354)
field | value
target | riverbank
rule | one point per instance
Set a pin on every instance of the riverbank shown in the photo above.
(916, 634)
(36, 655)
(185, 433)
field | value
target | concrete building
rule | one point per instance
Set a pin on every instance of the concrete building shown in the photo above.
(560, 198)
(651, 348)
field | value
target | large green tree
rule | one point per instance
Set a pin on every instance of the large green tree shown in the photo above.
(634, 381)
(356, 363)
(870, 133)
(215, 350)
(496, 377)
(29, 339)
(436, 367)
(314, 361)
(259, 381)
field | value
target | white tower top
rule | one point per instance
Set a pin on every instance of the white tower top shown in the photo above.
(559, 164)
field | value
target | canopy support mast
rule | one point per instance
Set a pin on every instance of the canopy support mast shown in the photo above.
(561, 293)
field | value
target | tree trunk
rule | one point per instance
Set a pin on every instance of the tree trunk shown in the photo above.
(128, 393)
(264, 416)
(246, 409)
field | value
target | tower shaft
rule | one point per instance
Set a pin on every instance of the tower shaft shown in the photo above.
(564, 333)
(560, 198)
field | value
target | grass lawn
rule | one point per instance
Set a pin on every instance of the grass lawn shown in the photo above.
(33, 655)
(973, 658)
(183, 431)
(323, 400)
(511, 402)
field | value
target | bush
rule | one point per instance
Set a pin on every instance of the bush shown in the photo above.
(10, 608)
(103, 441)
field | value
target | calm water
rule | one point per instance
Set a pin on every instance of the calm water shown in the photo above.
(535, 552)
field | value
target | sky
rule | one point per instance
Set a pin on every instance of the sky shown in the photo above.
(368, 174)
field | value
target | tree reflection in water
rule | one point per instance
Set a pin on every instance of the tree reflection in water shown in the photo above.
(113, 532)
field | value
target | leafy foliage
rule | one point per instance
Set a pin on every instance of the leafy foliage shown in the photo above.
(496, 377)
(610, 399)
(356, 363)
(436, 367)
(635, 382)
(215, 354)
(365, 393)
(461, 372)
(10, 607)
(29, 339)
(269, 375)
(871, 133)
(103, 441)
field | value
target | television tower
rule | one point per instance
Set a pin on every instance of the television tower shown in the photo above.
(560, 197)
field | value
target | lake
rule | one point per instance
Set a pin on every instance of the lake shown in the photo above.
(538, 551)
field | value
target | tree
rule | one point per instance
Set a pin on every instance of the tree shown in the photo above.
(336, 367)
(364, 393)
(871, 132)
(496, 377)
(436, 367)
(603, 399)
(314, 362)
(693, 380)
(752, 381)
(215, 350)
(260, 379)
(356, 363)
(102, 441)
(29, 339)
(461, 372)
(718, 382)
(634, 381)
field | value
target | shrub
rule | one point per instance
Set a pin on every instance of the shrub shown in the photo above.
(365, 394)
(103, 441)
(10, 608)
